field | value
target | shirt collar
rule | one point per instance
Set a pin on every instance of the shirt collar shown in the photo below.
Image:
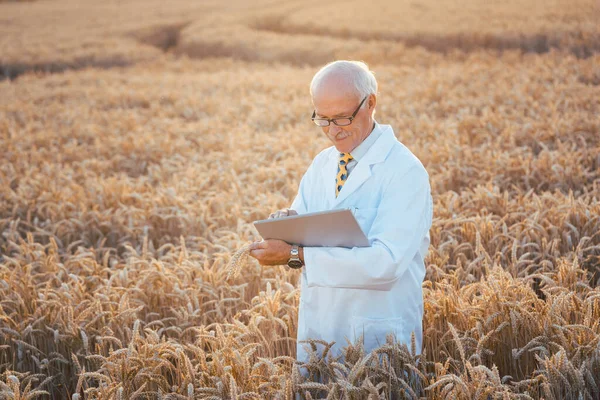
(362, 149)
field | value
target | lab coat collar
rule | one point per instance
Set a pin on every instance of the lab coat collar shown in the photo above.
(362, 171)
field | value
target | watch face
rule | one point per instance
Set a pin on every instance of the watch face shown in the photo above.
(295, 264)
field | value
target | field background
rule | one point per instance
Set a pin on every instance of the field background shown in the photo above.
(139, 139)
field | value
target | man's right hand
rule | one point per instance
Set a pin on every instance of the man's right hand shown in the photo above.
(286, 212)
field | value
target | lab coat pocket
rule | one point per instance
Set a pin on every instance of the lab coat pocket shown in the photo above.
(375, 330)
(365, 218)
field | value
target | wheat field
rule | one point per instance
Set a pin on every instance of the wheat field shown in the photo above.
(140, 139)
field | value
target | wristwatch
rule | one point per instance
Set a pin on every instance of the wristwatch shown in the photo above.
(294, 261)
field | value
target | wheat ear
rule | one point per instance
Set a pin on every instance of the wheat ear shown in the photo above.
(238, 260)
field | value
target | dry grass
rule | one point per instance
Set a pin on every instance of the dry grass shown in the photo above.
(129, 180)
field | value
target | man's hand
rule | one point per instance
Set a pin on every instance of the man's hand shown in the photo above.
(286, 212)
(271, 252)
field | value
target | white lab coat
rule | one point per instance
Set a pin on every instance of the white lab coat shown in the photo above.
(372, 290)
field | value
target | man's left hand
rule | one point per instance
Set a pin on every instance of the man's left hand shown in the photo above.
(271, 252)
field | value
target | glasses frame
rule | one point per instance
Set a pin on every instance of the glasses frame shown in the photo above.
(334, 120)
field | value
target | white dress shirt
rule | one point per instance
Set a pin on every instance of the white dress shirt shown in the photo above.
(362, 149)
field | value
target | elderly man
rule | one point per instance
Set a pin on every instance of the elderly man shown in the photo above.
(368, 292)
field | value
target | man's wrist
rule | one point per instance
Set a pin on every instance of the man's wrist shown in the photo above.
(301, 254)
(295, 261)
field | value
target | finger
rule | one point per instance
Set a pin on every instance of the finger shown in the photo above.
(253, 246)
(258, 245)
(258, 254)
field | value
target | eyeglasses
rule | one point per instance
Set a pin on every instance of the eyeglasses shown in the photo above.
(344, 121)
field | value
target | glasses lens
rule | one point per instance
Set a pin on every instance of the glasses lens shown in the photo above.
(342, 121)
(321, 122)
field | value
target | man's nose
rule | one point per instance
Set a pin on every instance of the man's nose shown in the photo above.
(334, 129)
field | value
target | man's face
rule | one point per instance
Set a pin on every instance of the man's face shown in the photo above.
(332, 101)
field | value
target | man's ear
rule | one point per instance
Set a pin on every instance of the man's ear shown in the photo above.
(372, 102)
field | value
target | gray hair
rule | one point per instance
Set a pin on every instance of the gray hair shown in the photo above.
(357, 72)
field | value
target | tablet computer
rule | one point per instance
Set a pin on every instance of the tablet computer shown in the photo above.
(335, 228)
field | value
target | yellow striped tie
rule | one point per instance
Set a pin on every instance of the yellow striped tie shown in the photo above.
(342, 172)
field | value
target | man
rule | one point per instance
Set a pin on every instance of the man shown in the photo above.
(370, 291)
